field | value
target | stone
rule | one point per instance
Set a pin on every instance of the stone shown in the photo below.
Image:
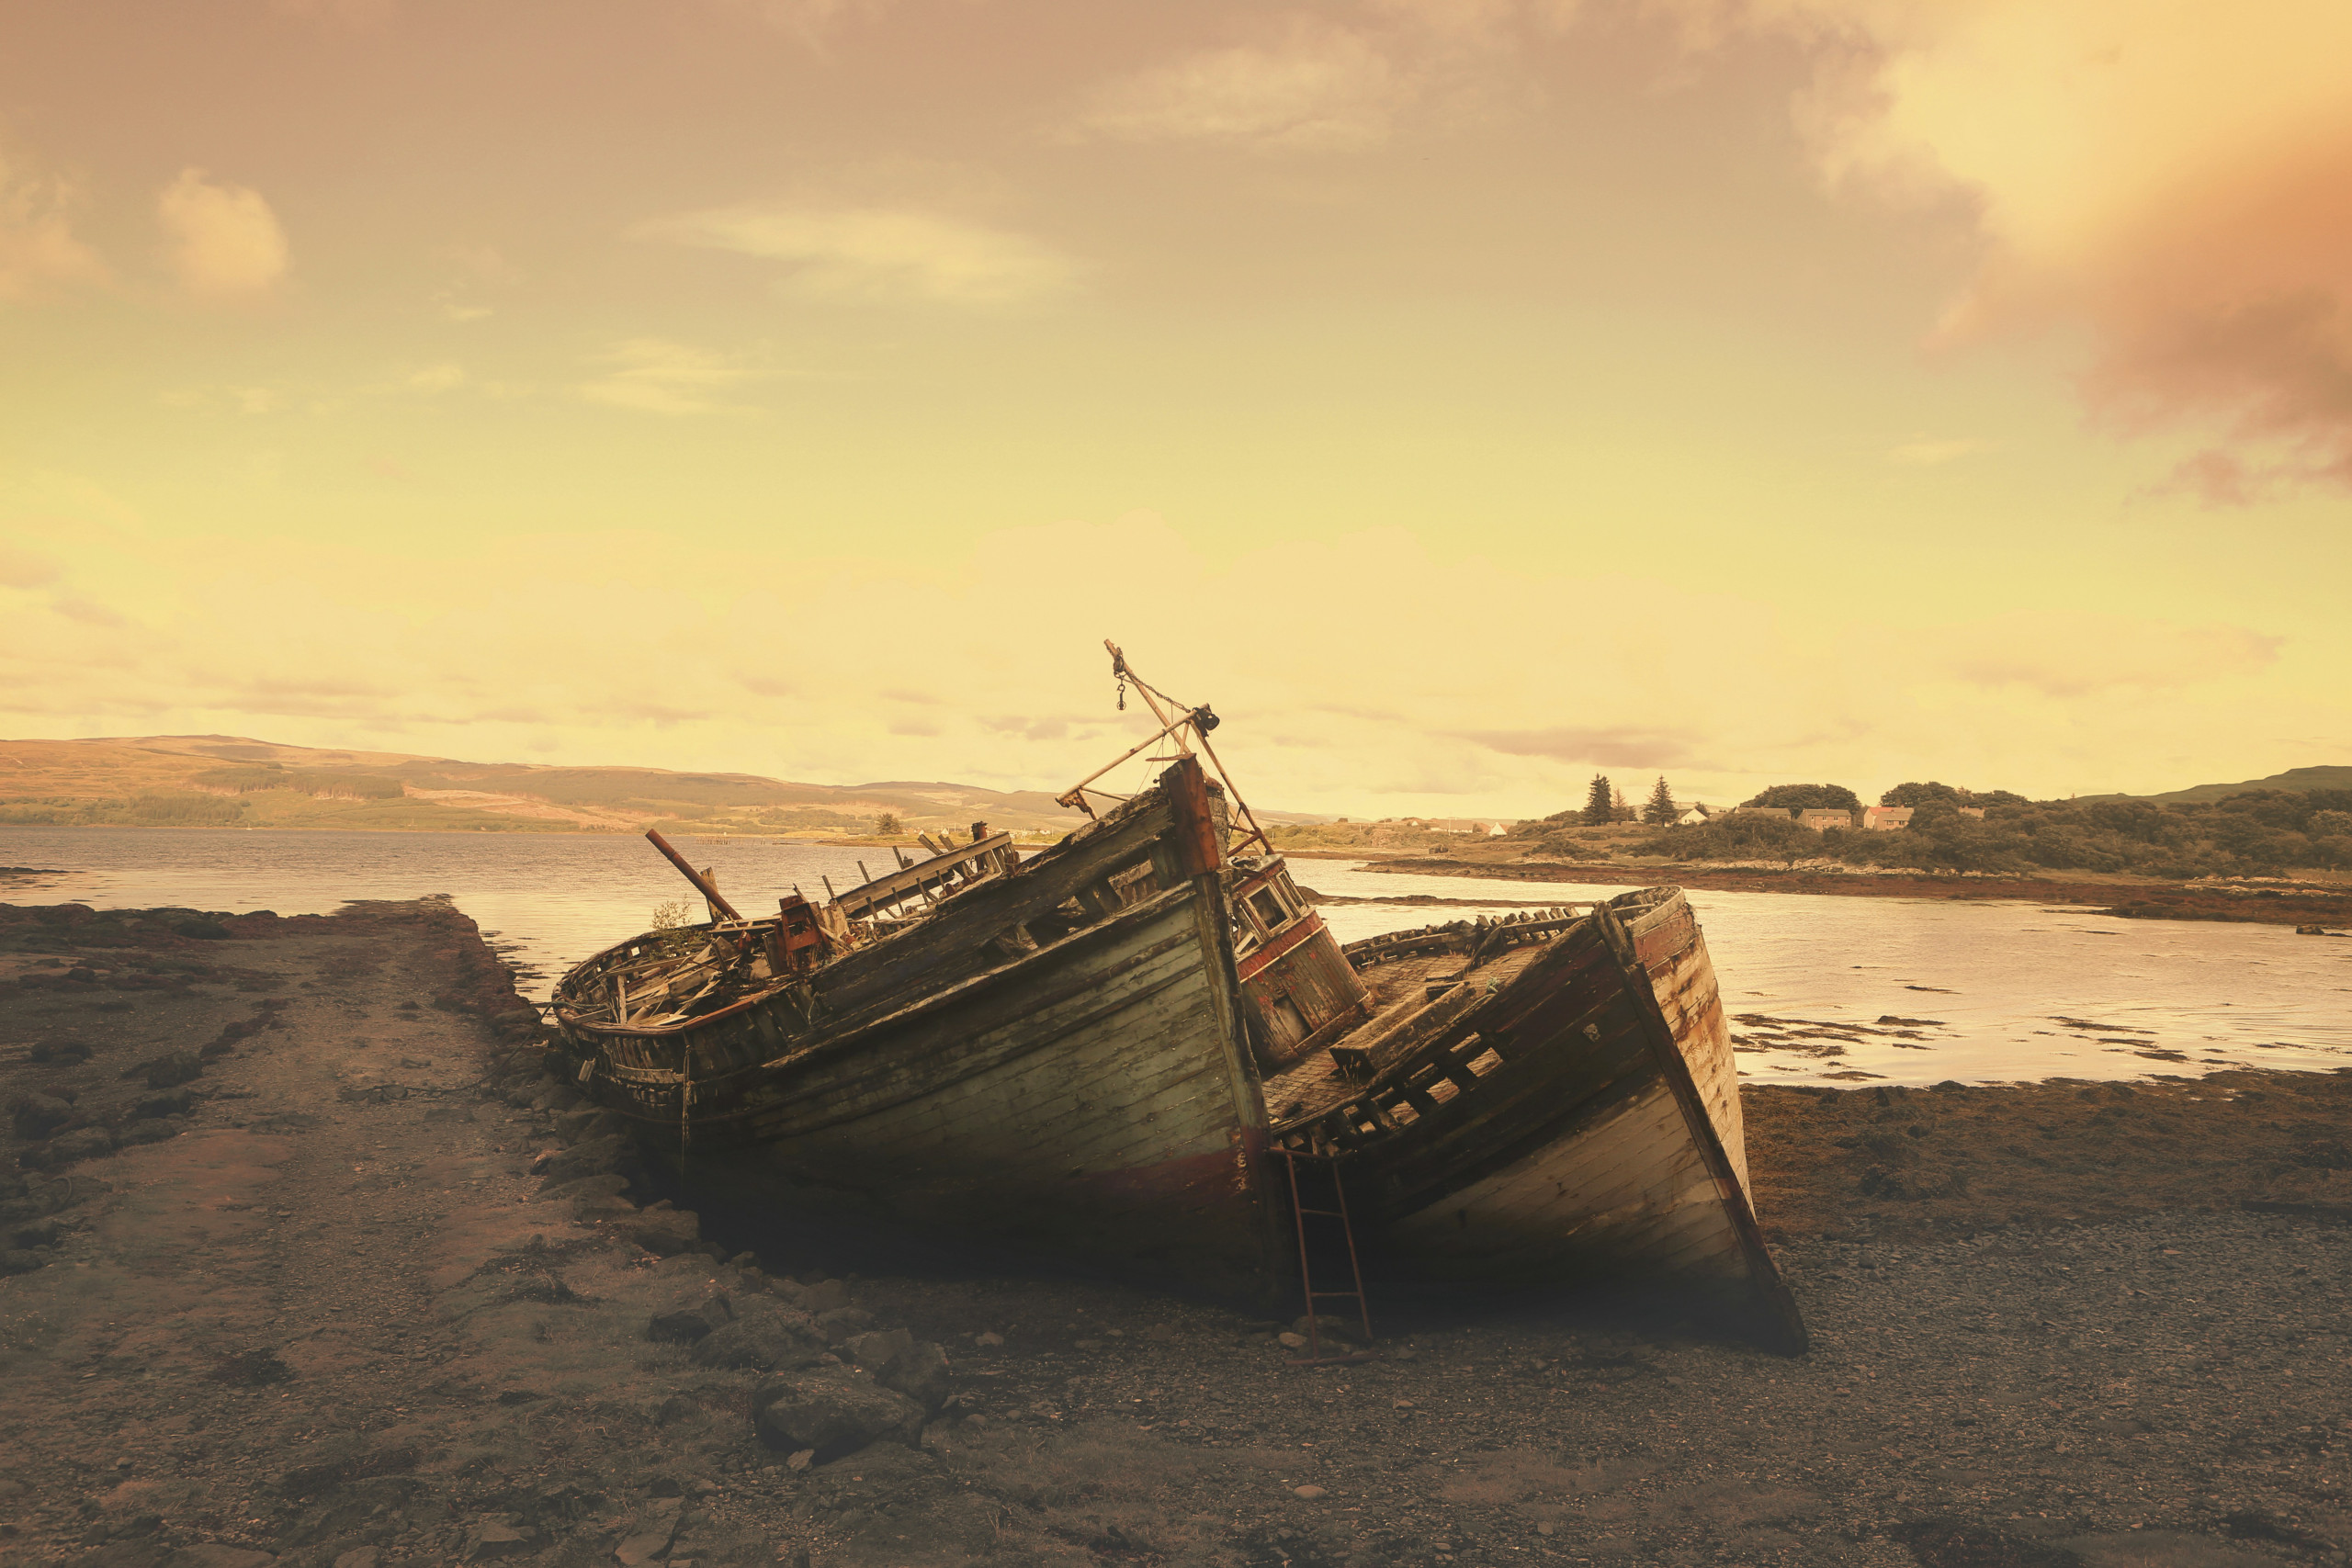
(594, 1157)
(172, 1067)
(82, 1143)
(691, 1323)
(832, 1413)
(41, 1233)
(493, 1536)
(171, 1102)
(1306, 1494)
(645, 1538)
(777, 1339)
(1293, 1341)
(827, 1294)
(151, 1130)
(610, 1185)
(988, 1340)
(897, 1360)
(844, 1323)
(358, 1557)
(38, 1115)
(666, 1233)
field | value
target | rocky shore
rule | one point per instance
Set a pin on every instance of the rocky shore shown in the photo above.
(309, 1262)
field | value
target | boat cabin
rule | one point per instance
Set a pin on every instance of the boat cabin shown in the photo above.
(1298, 987)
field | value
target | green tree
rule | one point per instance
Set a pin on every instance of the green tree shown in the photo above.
(1809, 797)
(1600, 801)
(888, 825)
(1661, 810)
(1921, 794)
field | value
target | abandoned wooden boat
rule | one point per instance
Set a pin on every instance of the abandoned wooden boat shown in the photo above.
(1545, 1099)
(1052, 1052)
(1076, 1053)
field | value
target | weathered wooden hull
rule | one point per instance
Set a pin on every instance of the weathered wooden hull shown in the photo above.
(1580, 1124)
(1090, 1102)
(1090, 1097)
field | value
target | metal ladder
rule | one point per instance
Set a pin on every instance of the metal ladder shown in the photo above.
(1300, 1213)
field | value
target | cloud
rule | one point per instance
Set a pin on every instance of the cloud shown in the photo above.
(225, 242)
(1318, 88)
(23, 569)
(89, 612)
(656, 376)
(2071, 655)
(443, 378)
(2170, 176)
(1463, 691)
(880, 254)
(1927, 453)
(1628, 747)
(39, 255)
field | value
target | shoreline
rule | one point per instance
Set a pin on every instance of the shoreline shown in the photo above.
(361, 1282)
(2132, 898)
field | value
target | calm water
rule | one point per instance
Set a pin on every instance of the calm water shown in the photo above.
(1825, 989)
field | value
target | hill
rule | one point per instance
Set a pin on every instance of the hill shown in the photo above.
(2297, 779)
(234, 781)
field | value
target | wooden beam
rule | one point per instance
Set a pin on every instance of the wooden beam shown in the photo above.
(899, 886)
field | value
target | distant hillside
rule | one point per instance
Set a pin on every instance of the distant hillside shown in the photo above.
(231, 781)
(2292, 779)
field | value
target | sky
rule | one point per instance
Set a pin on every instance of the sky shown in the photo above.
(1464, 397)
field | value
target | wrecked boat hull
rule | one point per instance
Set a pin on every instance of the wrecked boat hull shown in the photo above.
(1090, 1096)
(1578, 1125)
(1090, 1102)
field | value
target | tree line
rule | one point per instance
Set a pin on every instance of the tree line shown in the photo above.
(2257, 832)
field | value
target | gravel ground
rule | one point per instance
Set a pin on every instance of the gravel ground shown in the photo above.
(372, 1292)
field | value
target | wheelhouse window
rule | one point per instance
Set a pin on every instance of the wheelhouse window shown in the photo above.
(1267, 905)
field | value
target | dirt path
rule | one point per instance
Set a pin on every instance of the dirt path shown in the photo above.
(368, 1290)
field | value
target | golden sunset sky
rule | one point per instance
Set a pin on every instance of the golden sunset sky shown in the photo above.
(1464, 396)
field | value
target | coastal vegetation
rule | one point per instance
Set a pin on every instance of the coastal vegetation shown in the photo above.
(2257, 833)
(1808, 797)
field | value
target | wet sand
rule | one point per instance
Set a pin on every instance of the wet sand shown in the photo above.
(365, 1288)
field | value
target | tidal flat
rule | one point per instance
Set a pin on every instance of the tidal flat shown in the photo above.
(309, 1262)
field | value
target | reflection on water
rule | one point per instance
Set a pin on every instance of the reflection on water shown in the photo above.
(1822, 988)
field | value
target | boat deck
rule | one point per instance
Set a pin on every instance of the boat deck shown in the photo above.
(1316, 1083)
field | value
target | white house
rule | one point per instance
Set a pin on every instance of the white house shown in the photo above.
(1885, 818)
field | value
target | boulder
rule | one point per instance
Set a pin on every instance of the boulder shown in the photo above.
(899, 1361)
(170, 1068)
(495, 1536)
(171, 1102)
(38, 1115)
(41, 1233)
(150, 1130)
(596, 1156)
(833, 1412)
(666, 1233)
(844, 1324)
(687, 1325)
(765, 1339)
(82, 1143)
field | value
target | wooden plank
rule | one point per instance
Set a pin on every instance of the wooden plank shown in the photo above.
(893, 886)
